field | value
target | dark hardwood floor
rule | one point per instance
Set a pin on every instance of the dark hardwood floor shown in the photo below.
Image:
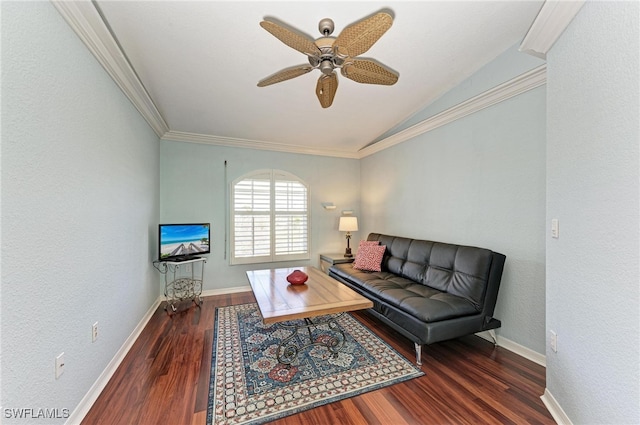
(165, 379)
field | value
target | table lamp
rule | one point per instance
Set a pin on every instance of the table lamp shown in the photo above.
(348, 224)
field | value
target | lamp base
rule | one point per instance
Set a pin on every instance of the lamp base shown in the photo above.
(347, 253)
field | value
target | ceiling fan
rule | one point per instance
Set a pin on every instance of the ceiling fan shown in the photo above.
(330, 53)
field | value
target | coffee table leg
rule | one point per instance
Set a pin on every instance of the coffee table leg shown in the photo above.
(335, 344)
(287, 350)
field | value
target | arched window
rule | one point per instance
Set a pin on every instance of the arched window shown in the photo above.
(269, 218)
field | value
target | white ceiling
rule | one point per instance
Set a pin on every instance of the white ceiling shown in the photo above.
(200, 62)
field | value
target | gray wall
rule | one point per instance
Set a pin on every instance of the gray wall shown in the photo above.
(80, 203)
(593, 189)
(477, 181)
(193, 187)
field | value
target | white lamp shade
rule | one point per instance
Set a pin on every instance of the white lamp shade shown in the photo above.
(348, 224)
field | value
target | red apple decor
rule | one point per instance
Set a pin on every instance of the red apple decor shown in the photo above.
(297, 277)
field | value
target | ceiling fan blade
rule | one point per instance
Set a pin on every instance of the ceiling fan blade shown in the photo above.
(326, 89)
(357, 38)
(291, 39)
(368, 72)
(285, 74)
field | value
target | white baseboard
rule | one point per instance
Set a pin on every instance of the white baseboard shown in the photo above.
(520, 350)
(91, 396)
(212, 292)
(554, 408)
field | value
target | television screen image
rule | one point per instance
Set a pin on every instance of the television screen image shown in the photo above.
(181, 241)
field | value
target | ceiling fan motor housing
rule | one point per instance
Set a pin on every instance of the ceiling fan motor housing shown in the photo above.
(328, 60)
(326, 27)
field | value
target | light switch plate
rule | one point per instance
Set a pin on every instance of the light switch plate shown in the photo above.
(59, 365)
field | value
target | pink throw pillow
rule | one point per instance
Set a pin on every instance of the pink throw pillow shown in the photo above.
(369, 257)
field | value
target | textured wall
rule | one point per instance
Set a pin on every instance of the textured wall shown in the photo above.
(478, 181)
(80, 202)
(593, 189)
(193, 190)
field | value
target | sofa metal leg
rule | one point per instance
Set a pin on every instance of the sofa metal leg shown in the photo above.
(418, 354)
(492, 332)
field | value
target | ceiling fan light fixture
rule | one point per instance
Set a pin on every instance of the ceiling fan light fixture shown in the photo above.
(326, 66)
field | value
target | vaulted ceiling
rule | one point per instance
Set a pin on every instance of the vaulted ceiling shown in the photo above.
(195, 65)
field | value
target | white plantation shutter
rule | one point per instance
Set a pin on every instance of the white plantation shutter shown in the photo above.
(252, 206)
(270, 218)
(290, 217)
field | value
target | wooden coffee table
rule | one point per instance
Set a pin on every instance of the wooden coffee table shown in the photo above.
(279, 302)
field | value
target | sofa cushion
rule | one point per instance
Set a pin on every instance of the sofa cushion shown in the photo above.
(397, 249)
(425, 303)
(460, 270)
(415, 266)
(369, 257)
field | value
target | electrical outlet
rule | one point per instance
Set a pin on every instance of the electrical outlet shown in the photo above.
(59, 365)
(94, 332)
(553, 341)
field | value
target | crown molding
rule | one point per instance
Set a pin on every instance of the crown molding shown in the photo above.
(87, 22)
(180, 136)
(554, 17)
(520, 84)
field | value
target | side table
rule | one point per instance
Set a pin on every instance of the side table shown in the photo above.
(328, 260)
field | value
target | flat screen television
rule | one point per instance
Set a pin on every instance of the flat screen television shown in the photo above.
(180, 242)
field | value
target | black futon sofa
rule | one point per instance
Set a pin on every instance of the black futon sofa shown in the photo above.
(429, 291)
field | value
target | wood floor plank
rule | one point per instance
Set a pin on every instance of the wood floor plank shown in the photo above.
(376, 409)
(199, 418)
(165, 379)
(202, 395)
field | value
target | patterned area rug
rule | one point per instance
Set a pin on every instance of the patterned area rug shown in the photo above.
(249, 385)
